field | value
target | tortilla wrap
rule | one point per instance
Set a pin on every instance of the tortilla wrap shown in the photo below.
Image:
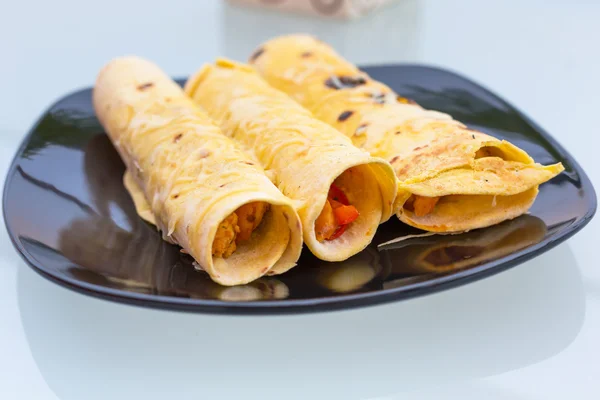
(189, 179)
(301, 154)
(451, 178)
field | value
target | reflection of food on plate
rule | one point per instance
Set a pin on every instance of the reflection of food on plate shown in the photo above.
(444, 253)
(104, 169)
(200, 189)
(451, 178)
(351, 274)
(448, 255)
(261, 289)
(111, 256)
(122, 258)
(343, 194)
(132, 257)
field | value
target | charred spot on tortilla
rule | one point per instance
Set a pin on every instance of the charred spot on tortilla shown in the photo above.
(361, 129)
(394, 159)
(420, 147)
(306, 54)
(177, 137)
(344, 82)
(379, 98)
(257, 54)
(175, 196)
(145, 86)
(398, 133)
(345, 115)
(248, 163)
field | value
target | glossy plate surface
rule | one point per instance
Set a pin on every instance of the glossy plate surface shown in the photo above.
(69, 216)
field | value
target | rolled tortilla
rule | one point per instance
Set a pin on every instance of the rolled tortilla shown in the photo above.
(451, 178)
(195, 184)
(303, 155)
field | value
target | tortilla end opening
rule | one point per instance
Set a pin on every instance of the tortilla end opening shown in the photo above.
(352, 182)
(491, 151)
(363, 189)
(467, 212)
(265, 247)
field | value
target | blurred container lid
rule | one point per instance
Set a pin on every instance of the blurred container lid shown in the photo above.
(340, 9)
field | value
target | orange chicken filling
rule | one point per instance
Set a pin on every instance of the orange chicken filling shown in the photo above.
(238, 227)
(421, 205)
(336, 216)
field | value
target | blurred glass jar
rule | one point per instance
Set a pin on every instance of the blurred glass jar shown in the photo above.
(344, 9)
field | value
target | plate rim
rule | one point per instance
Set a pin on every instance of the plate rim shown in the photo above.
(317, 304)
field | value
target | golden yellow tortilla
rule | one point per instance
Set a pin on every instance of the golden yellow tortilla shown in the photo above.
(303, 155)
(187, 177)
(481, 180)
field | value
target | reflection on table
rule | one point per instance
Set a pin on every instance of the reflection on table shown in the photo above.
(496, 325)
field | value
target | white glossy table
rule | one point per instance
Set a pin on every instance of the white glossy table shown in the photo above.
(532, 332)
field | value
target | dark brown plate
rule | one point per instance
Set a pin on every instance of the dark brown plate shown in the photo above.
(70, 218)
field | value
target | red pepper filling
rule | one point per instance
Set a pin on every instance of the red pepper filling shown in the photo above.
(336, 216)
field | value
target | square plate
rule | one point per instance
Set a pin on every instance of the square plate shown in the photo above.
(69, 216)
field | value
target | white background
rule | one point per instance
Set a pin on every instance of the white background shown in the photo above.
(532, 332)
